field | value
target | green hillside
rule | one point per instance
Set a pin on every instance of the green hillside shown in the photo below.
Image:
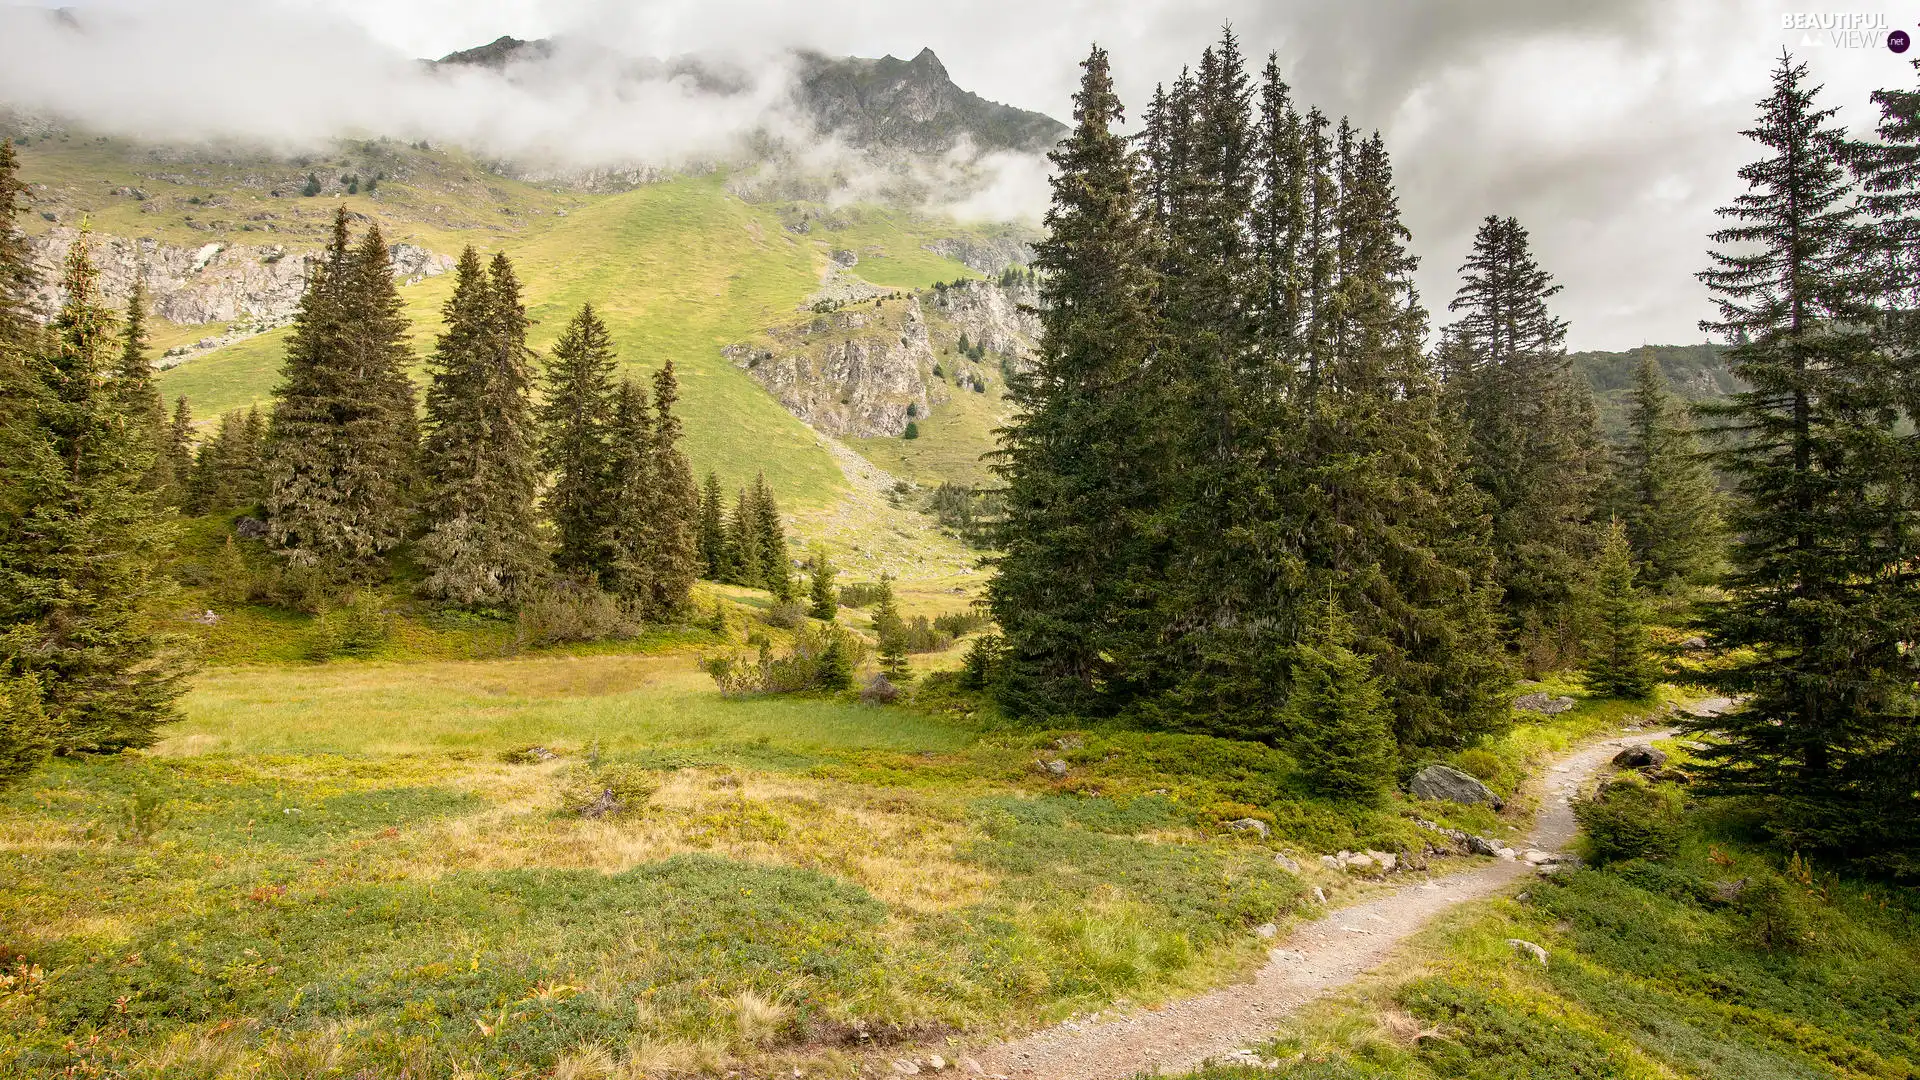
(678, 268)
(1694, 373)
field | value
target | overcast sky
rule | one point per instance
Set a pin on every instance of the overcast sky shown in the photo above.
(1610, 128)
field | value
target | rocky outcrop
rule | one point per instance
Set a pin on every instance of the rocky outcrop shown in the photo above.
(216, 282)
(860, 372)
(988, 255)
(999, 318)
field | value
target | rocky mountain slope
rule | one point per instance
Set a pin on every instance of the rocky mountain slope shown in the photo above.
(910, 106)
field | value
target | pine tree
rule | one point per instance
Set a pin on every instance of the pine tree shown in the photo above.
(26, 735)
(676, 539)
(886, 610)
(713, 531)
(633, 497)
(482, 545)
(823, 598)
(1068, 542)
(576, 447)
(1822, 599)
(1618, 661)
(1666, 496)
(1338, 715)
(776, 567)
(179, 451)
(744, 557)
(888, 627)
(19, 333)
(1534, 449)
(141, 408)
(228, 470)
(80, 555)
(343, 437)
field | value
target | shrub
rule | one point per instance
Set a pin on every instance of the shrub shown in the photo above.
(1627, 819)
(358, 627)
(786, 614)
(572, 613)
(1479, 763)
(584, 787)
(861, 594)
(1775, 913)
(960, 624)
(982, 663)
(822, 659)
(912, 432)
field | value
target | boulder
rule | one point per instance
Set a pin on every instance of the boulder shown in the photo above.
(1639, 756)
(1250, 825)
(1528, 948)
(1286, 863)
(1542, 703)
(1385, 860)
(1444, 782)
(250, 528)
(1480, 845)
(1694, 644)
(606, 804)
(1266, 930)
(1055, 767)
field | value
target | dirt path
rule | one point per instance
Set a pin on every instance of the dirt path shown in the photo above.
(1320, 956)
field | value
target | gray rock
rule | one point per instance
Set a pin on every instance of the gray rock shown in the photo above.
(1444, 782)
(1285, 863)
(1694, 644)
(1639, 756)
(1542, 703)
(1480, 845)
(1528, 948)
(1055, 767)
(845, 257)
(1359, 862)
(1252, 825)
(1319, 895)
(250, 528)
(1266, 930)
(1385, 860)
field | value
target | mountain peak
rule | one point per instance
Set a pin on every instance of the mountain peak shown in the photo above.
(925, 60)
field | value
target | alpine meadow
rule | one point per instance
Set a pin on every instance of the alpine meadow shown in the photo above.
(666, 550)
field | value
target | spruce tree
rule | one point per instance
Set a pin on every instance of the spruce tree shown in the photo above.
(744, 557)
(823, 599)
(1067, 458)
(676, 527)
(179, 451)
(342, 441)
(80, 573)
(19, 332)
(1534, 448)
(576, 448)
(1666, 496)
(713, 531)
(633, 498)
(1822, 601)
(776, 567)
(141, 408)
(889, 629)
(1337, 714)
(481, 545)
(26, 735)
(1619, 663)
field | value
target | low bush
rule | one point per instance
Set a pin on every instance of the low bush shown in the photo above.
(603, 789)
(786, 614)
(1775, 915)
(1481, 764)
(572, 613)
(861, 594)
(1627, 819)
(822, 658)
(360, 626)
(960, 623)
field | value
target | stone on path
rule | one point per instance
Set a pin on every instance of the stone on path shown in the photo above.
(1639, 756)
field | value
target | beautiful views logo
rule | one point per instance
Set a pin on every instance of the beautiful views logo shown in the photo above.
(1845, 30)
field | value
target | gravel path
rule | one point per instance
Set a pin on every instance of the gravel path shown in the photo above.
(1320, 956)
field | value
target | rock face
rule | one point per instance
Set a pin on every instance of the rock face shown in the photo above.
(989, 256)
(1000, 318)
(256, 286)
(1444, 782)
(859, 371)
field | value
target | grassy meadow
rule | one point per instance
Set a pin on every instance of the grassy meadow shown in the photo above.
(354, 868)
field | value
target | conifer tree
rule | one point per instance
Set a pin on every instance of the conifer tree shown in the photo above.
(1619, 663)
(26, 735)
(18, 330)
(713, 531)
(229, 470)
(823, 599)
(888, 628)
(1068, 541)
(576, 448)
(776, 567)
(1338, 715)
(633, 498)
(676, 540)
(342, 441)
(1534, 448)
(744, 557)
(1666, 496)
(144, 413)
(1822, 598)
(481, 546)
(80, 555)
(179, 451)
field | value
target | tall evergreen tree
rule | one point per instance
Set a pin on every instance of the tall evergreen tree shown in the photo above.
(745, 561)
(1822, 598)
(1067, 540)
(713, 530)
(229, 470)
(576, 448)
(823, 599)
(80, 571)
(141, 408)
(776, 566)
(677, 526)
(1666, 496)
(19, 332)
(1534, 448)
(179, 451)
(1619, 663)
(482, 543)
(633, 498)
(342, 441)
